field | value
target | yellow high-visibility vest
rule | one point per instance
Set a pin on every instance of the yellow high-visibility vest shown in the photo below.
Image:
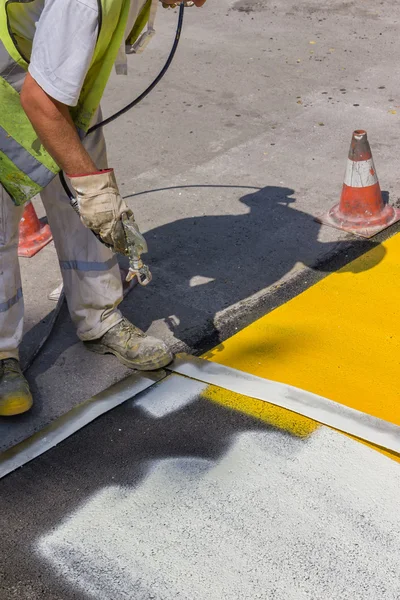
(25, 166)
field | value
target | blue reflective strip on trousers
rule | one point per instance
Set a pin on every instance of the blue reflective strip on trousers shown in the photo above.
(24, 161)
(80, 265)
(4, 306)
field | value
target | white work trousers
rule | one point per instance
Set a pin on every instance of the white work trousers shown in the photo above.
(92, 281)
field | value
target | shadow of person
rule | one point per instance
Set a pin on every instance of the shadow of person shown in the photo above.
(205, 265)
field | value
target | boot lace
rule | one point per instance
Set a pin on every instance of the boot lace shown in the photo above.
(9, 365)
(130, 330)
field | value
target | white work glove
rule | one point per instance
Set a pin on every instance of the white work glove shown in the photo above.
(101, 207)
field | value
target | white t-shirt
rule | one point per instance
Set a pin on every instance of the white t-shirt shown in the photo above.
(64, 34)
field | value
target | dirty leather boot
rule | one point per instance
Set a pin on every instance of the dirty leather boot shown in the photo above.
(132, 347)
(15, 397)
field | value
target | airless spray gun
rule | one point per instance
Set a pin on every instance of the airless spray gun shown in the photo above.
(136, 245)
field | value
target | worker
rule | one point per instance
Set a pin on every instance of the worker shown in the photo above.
(55, 59)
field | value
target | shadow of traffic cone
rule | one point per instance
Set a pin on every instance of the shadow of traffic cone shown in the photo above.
(33, 236)
(361, 210)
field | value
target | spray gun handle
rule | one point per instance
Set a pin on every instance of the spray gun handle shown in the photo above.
(136, 245)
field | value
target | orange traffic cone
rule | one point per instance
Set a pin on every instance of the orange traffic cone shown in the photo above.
(33, 236)
(362, 209)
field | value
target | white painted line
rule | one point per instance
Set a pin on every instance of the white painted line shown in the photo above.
(76, 419)
(320, 409)
(266, 516)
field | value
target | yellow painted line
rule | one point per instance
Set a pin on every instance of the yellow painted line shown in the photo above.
(340, 339)
(273, 415)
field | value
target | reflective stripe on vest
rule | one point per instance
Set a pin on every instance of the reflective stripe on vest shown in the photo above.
(11, 71)
(25, 166)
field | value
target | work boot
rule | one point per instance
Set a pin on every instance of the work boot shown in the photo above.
(15, 396)
(132, 347)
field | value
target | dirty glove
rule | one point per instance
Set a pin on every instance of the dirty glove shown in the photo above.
(174, 3)
(101, 207)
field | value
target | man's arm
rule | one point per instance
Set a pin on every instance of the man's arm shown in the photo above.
(53, 124)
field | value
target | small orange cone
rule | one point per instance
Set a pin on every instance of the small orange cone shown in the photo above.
(33, 236)
(362, 209)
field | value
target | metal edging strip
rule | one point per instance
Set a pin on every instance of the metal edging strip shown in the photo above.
(327, 412)
(76, 419)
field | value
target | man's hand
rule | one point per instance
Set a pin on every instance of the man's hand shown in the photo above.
(53, 124)
(173, 3)
(101, 207)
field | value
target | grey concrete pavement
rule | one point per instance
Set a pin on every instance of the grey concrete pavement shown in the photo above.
(173, 495)
(226, 165)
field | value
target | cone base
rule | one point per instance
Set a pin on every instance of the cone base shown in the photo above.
(362, 226)
(31, 245)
